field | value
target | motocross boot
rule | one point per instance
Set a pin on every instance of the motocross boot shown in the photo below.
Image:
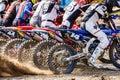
(92, 61)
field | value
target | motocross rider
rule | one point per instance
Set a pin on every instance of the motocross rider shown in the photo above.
(47, 11)
(23, 14)
(50, 12)
(92, 15)
(72, 11)
(11, 13)
(45, 14)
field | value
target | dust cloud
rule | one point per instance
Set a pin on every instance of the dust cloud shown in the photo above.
(11, 67)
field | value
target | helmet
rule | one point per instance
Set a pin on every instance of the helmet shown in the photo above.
(33, 1)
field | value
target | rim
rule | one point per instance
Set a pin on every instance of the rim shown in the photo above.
(57, 60)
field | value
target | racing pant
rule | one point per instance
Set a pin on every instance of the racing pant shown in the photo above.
(93, 14)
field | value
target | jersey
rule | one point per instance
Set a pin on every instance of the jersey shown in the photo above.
(36, 19)
(49, 13)
(24, 10)
(38, 9)
(10, 13)
(49, 10)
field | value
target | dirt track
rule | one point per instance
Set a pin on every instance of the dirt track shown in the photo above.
(82, 72)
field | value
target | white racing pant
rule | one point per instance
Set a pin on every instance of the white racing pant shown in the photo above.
(91, 27)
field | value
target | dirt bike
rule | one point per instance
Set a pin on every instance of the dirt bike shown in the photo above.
(62, 57)
(42, 48)
(14, 32)
(22, 50)
(16, 38)
(25, 46)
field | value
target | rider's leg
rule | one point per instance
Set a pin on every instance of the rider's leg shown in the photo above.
(89, 23)
(102, 45)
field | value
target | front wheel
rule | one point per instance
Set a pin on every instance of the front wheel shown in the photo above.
(40, 53)
(115, 53)
(11, 48)
(25, 51)
(56, 57)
